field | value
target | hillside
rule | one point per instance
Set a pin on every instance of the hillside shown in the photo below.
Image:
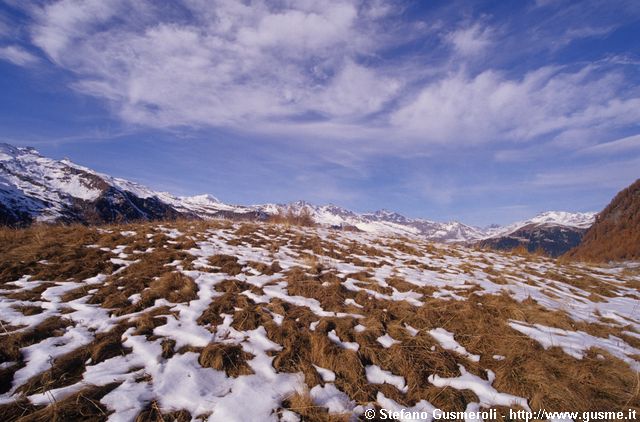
(190, 320)
(615, 236)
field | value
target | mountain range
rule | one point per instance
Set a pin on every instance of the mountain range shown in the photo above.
(34, 188)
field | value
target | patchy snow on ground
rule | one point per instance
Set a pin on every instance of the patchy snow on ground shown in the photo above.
(576, 343)
(446, 340)
(377, 375)
(387, 341)
(247, 293)
(344, 344)
(487, 395)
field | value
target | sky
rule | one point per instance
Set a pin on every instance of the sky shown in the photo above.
(478, 111)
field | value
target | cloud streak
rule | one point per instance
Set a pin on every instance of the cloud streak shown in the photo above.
(18, 56)
(619, 146)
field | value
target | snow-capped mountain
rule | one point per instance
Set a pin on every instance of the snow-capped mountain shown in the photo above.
(36, 188)
(382, 222)
(208, 206)
(553, 232)
(579, 220)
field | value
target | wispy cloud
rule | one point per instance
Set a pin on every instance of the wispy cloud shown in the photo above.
(18, 55)
(622, 145)
(490, 106)
(231, 65)
(472, 40)
(610, 175)
(359, 85)
(318, 70)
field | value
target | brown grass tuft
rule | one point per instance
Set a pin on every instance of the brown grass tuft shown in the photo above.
(153, 413)
(290, 217)
(227, 264)
(229, 358)
(84, 405)
(175, 287)
(302, 404)
(11, 344)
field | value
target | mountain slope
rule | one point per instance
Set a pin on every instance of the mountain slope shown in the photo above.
(552, 232)
(552, 240)
(615, 236)
(36, 188)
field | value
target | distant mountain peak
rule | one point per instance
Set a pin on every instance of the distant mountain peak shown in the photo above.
(386, 213)
(8, 151)
(300, 203)
(553, 232)
(566, 218)
(204, 198)
(37, 188)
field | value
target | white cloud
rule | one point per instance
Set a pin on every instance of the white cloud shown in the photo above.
(235, 65)
(17, 55)
(491, 107)
(470, 41)
(63, 22)
(309, 69)
(355, 90)
(301, 30)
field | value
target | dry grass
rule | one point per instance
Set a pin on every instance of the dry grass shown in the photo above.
(615, 235)
(68, 369)
(290, 217)
(265, 269)
(153, 413)
(84, 405)
(546, 377)
(12, 342)
(549, 379)
(302, 404)
(226, 264)
(229, 358)
(62, 247)
(173, 286)
(146, 322)
(65, 370)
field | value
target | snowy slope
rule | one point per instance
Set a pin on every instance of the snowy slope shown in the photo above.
(386, 222)
(579, 220)
(203, 206)
(37, 188)
(552, 232)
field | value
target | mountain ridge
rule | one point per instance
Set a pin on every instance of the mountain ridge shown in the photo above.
(34, 188)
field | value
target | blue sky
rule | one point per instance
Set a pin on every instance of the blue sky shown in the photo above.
(484, 112)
